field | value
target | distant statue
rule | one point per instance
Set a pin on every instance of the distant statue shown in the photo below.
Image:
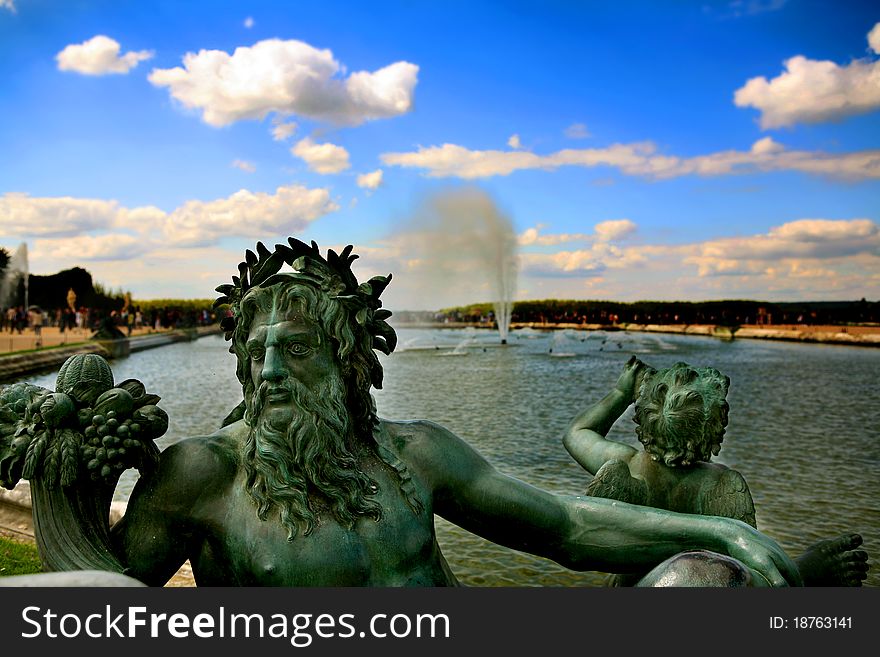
(107, 328)
(305, 485)
(680, 415)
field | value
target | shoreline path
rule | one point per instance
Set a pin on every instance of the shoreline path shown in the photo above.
(11, 343)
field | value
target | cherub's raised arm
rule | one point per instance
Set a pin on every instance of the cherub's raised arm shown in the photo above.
(585, 438)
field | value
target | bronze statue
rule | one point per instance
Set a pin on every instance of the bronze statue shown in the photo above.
(680, 415)
(305, 486)
(71, 300)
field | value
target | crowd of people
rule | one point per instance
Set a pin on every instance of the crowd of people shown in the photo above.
(16, 319)
(725, 313)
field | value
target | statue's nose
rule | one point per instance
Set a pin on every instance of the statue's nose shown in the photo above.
(273, 366)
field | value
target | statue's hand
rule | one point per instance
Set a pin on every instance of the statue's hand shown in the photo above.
(630, 380)
(760, 553)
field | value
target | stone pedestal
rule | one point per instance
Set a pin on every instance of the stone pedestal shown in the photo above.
(116, 348)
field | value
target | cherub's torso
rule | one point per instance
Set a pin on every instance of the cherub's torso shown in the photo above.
(692, 489)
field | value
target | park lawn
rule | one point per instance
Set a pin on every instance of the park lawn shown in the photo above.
(17, 558)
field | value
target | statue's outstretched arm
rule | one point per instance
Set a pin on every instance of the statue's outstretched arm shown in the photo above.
(72, 445)
(585, 437)
(581, 533)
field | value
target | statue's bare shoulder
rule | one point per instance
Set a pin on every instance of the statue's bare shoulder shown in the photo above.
(195, 467)
(407, 434)
(438, 456)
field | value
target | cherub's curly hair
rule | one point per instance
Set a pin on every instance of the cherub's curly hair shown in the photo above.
(681, 413)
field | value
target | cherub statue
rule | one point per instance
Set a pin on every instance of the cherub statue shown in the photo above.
(680, 415)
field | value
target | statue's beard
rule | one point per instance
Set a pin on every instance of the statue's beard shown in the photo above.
(298, 457)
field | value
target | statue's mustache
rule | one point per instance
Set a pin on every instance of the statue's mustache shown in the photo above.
(290, 392)
(267, 390)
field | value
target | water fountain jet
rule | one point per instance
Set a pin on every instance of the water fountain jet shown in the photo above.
(459, 237)
(16, 273)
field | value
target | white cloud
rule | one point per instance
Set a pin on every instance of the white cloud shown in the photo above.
(766, 146)
(532, 236)
(451, 160)
(802, 259)
(577, 131)
(21, 215)
(811, 91)
(638, 159)
(563, 263)
(99, 56)
(243, 214)
(244, 165)
(288, 77)
(827, 230)
(514, 142)
(322, 158)
(599, 255)
(370, 180)
(8, 4)
(591, 261)
(249, 22)
(247, 214)
(281, 130)
(100, 247)
(874, 39)
(614, 230)
(801, 239)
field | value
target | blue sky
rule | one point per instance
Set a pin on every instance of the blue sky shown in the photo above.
(639, 150)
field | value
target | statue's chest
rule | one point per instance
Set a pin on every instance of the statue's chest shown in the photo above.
(372, 553)
(330, 555)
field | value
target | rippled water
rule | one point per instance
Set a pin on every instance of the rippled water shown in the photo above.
(802, 431)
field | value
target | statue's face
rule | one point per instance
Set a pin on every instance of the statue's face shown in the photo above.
(283, 347)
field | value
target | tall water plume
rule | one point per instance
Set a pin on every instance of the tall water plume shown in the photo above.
(461, 241)
(16, 273)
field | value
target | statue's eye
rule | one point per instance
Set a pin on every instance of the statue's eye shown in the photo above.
(257, 353)
(298, 348)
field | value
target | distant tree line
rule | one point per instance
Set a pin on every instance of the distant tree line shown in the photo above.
(185, 305)
(729, 312)
(50, 293)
